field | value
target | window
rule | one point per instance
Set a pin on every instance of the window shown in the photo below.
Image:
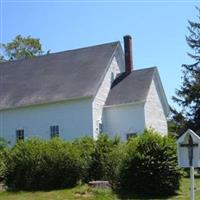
(100, 128)
(130, 135)
(54, 131)
(20, 134)
(112, 77)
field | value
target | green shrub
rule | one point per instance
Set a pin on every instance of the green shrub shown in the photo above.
(85, 147)
(146, 165)
(2, 165)
(113, 163)
(150, 166)
(35, 164)
(101, 165)
(100, 158)
(3, 146)
(3, 143)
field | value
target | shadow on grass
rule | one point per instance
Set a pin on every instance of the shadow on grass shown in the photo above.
(85, 189)
(126, 196)
(16, 190)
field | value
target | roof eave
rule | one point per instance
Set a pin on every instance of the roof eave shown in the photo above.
(164, 101)
(126, 104)
(45, 103)
(118, 45)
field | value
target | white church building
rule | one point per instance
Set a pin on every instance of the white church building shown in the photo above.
(80, 92)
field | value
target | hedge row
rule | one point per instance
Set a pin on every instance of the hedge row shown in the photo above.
(36, 164)
(145, 165)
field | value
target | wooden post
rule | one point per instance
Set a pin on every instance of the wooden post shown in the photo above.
(192, 183)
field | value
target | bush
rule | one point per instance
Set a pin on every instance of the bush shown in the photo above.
(150, 166)
(85, 147)
(113, 163)
(3, 145)
(100, 158)
(2, 165)
(145, 166)
(35, 164)
(102, 165)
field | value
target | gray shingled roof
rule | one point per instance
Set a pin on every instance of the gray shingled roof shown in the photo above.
(54, 77)
(130, 88)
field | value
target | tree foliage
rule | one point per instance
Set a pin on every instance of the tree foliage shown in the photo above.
(21, 47)
(188, 96)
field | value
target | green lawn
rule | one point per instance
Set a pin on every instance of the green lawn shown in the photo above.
(78, 193)
(184, 192)
(84, 192)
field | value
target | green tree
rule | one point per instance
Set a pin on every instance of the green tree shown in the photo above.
(188, 96)
(21, 47)
(1, 58)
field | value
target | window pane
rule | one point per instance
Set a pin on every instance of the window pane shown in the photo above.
(130, 135)
(20, 134)
(54, 131)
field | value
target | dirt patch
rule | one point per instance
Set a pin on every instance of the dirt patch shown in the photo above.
(85, 195)
(2, 187)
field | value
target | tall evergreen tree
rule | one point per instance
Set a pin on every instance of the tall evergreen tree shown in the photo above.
(188, 96)
(1, 58)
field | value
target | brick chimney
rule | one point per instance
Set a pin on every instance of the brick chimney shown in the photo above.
(128, 54)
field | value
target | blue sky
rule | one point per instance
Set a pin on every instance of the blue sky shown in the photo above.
(158, 29)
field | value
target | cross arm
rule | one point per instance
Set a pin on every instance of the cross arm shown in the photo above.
(189, 145)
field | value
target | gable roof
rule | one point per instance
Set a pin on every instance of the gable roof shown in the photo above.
(181, 138)
(133, 87)
(54, 77)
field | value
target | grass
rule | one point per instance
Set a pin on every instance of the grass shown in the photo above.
(78, 193)
(184, 192)
(84, 192)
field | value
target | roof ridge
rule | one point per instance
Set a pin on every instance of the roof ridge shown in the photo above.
(147, 68)
(59, 52)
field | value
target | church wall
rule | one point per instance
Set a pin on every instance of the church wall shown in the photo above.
(74, 119)
(102, 94)
(124, 119)
(154, 113)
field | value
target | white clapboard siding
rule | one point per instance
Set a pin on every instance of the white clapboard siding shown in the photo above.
(74, 119)
(154, 112)
(102, 94)
(124, 119)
